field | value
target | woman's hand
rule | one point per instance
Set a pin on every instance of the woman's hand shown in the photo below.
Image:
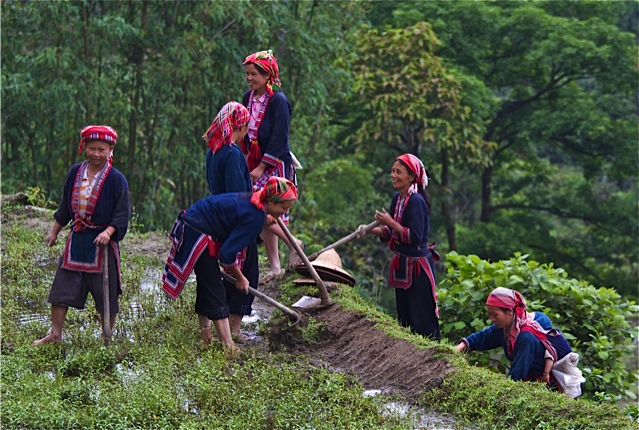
(257, 173)
(103, 238)
(242, 284)
(51, 238)
(461, 346)
(360, 231)
(384, 218)
(270, 220)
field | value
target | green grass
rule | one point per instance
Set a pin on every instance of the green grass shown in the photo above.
(155, 376)
(481, 398)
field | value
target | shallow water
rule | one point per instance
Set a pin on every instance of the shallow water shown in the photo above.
(419, 417)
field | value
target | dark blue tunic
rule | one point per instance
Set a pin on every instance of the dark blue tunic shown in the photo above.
(528, 356)
(227, 171)
(230, 219)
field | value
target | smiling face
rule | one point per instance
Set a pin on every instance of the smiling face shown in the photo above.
(278, 209)
(499, 317)
(256, 78)
(98, 153)
(402, 177)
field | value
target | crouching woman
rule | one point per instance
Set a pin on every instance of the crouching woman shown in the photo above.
(528, 338)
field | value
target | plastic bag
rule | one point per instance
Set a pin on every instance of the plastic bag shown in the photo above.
(568, 376)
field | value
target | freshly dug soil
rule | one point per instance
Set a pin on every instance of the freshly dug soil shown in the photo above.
(351, 344)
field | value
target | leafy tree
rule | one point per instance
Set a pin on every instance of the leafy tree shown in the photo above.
(158, 73)
(412, 104)
(557, 84)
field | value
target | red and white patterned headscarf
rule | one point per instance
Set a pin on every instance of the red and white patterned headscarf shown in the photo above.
(265, 60)
(417, 167)
(231, 116)
(523, 320)
(103, 133)
(276, 190)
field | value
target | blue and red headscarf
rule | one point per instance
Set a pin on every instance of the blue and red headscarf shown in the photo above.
(102, 133)
(417, 167)
(276, 190)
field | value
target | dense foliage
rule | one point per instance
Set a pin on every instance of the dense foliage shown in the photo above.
(524, 112)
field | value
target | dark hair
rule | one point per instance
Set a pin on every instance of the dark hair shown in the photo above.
(259, 69)
(420, 188)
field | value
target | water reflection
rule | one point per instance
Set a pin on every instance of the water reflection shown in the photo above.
(419, 417)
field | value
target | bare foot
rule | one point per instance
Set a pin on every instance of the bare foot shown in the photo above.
(50, 338)
(270, 276)
(206, 336)
(231, 350)
(240, 338)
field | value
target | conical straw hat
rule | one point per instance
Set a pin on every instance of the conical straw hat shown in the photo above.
(328, 266)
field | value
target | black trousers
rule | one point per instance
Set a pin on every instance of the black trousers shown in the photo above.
(416, 307)
(217, 299)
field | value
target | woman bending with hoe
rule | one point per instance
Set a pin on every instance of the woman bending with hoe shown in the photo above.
(211, 233)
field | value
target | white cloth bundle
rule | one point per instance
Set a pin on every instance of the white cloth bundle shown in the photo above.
(568, 375)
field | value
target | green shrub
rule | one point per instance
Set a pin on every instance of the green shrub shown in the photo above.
(593, 320)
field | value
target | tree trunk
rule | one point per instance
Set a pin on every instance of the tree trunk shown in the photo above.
(449, 222)
(486, 178)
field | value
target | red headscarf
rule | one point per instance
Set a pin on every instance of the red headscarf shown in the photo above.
(523, 320)
(276, 190)
(417, 167)
(265, 60)
(103, 133)
(231, 116)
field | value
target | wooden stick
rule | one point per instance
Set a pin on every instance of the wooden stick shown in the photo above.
(325, 298)
(267, 299)
(343, 240)
(106, 314)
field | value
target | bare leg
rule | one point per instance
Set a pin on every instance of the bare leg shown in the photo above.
(277, 230)
(235, 321)
(293, 258)
(111, 320)
(224, 333)
(272, 252)
(58, 314)
(205, 329)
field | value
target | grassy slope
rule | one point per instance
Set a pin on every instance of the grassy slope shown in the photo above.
(154, 375)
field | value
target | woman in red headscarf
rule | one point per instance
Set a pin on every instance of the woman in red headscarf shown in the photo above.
(528, 338)
(95, 199)
(266, 145)
(211, 233)
(227, 172)
(406, 228)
